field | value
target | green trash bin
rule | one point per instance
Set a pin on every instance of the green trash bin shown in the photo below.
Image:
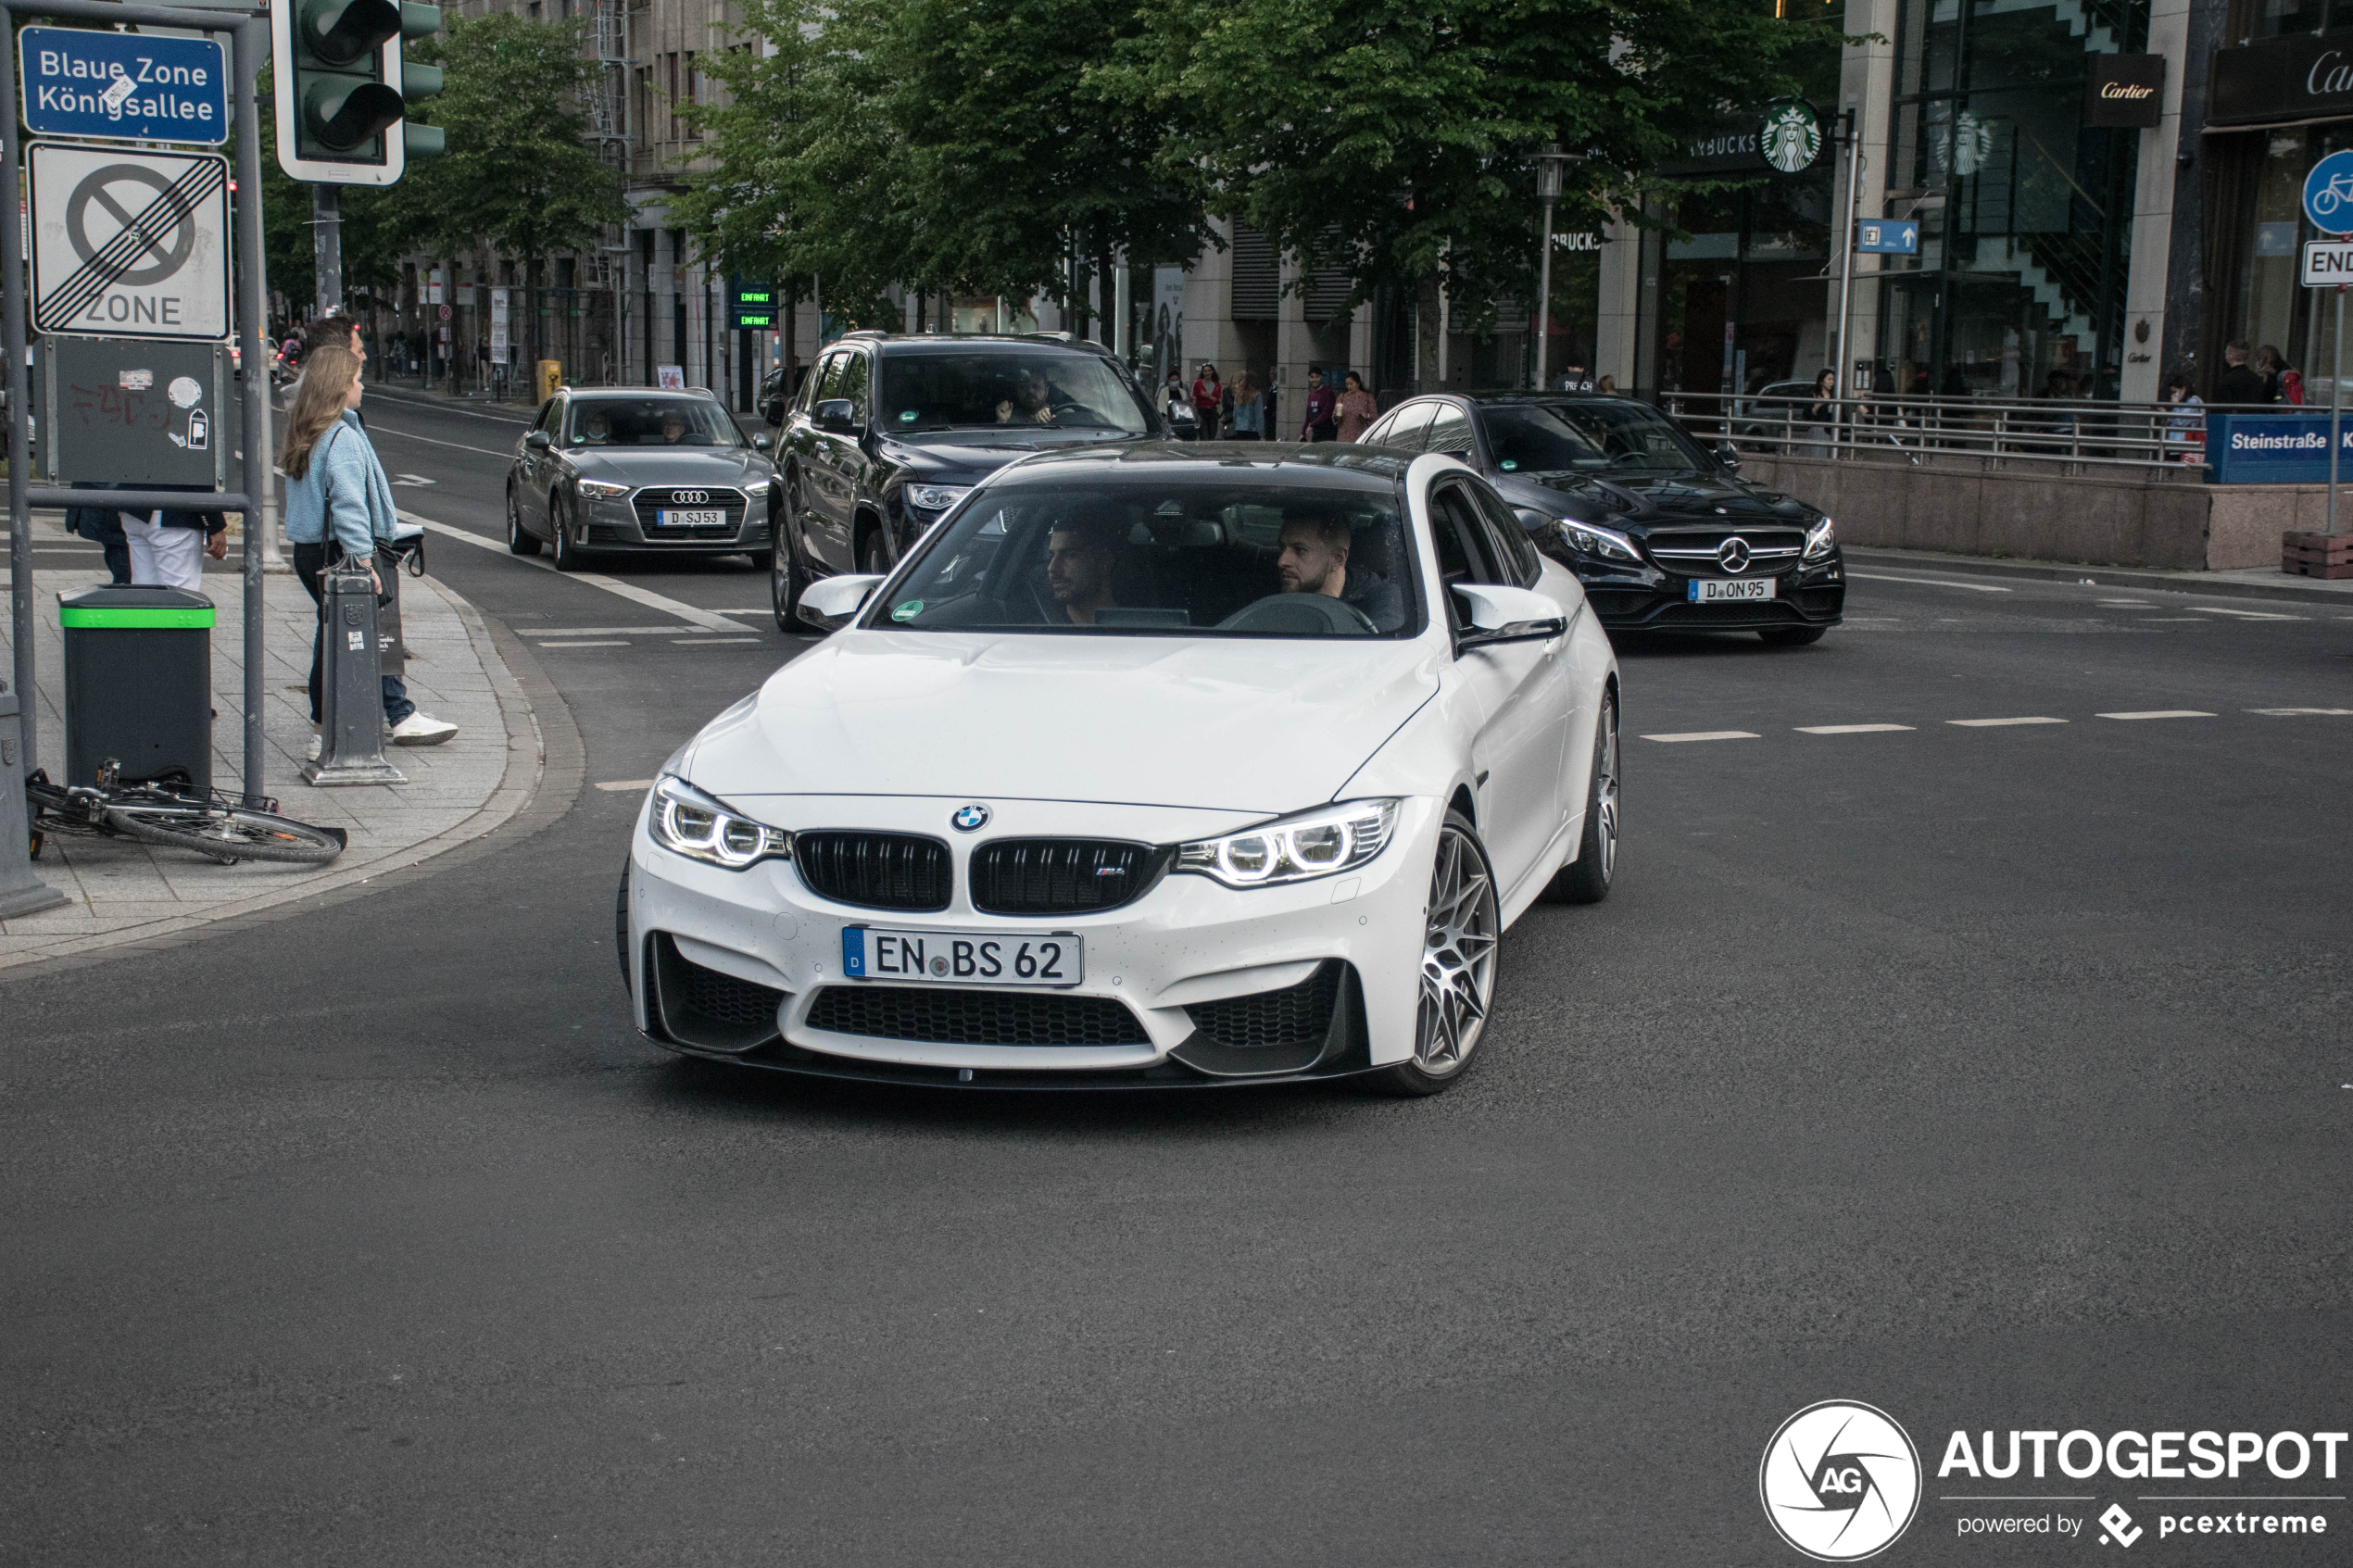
(138, 683)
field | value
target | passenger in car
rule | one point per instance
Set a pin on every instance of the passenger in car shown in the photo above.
(1079, 560)
(1314, 559)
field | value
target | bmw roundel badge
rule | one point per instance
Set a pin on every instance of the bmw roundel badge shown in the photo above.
(970, 819)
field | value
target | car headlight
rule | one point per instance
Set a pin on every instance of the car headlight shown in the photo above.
(686, 821)
(1588, 540)
(756, 486)
(936, 497)
(1313, 844)
(600, 488)
(1819, 540)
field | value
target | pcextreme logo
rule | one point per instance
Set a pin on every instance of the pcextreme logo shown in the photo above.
(1840, 1481)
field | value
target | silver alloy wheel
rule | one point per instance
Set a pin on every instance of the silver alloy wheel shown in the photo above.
(1458, 956)
(1606, 792)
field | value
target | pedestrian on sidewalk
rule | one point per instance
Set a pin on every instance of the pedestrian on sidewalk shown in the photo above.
(2239, 383)
(103, 527)
(339, 508)
(2186, 428)
(1320, 424)
(1209, 396)
(1357, 410)
(1250, 409)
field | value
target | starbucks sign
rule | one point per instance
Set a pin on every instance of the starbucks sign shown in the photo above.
(1790, 137)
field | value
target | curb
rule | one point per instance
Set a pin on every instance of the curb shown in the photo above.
(545, 766)
(2109, 576)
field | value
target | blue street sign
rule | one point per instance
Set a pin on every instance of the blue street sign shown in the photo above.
(2328, 195)
(1889, 237)
(123, 86)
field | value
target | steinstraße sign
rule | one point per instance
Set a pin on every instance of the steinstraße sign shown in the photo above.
(131, 86)
(2126, 91)
(130, 245)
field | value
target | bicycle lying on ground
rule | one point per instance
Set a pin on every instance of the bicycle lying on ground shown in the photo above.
(173, 812)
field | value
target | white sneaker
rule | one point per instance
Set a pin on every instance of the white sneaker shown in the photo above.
(317, 743)
(422, 729)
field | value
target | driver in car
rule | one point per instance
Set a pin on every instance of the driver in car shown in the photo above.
(1079, 557)
(1031, 402)
(597, 429)
(1314, 561)
(673, 427)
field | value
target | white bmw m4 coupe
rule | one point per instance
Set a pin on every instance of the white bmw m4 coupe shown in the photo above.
(1152, 765)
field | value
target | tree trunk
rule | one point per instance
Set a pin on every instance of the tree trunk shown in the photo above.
(1104, 273)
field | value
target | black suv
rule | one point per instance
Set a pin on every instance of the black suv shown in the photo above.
(889, 431)
(1663, 536)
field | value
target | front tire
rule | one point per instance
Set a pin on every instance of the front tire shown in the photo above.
(519, 543)
(559, 534)
(1792, 636)
(1461, 928)
(1586, 880)
(785, 583)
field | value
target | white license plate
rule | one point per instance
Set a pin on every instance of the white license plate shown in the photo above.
(962, 957)
(1725, 590)
(708, 518)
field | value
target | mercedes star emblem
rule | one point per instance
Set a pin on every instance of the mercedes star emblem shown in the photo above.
(1733, 555)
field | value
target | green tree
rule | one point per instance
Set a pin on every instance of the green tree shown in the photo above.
(1393, 138)
(517, 175)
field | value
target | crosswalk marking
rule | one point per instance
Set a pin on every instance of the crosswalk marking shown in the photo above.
(1848, 729)
(2160, 713)
(616, 644)
(1997, 723)
(1707, 735)
(617, 786)
(2247, 614)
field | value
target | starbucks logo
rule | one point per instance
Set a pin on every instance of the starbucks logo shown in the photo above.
(1792, 136)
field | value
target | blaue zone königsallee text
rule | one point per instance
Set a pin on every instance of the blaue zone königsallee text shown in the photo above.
(124, 85)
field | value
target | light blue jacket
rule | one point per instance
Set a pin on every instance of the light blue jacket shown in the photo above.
(344, 488)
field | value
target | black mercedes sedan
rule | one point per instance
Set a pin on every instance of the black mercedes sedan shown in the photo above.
(1663, 535)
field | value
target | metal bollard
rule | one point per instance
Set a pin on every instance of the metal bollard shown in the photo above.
(351, 700)
(21, 893)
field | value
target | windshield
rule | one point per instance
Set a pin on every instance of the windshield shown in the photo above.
(650, 421)
(1005, 386)
(1554, 437)
(1183, 555)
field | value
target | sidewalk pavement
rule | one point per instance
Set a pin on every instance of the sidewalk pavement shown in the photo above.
(125, 894)
(2252, 582)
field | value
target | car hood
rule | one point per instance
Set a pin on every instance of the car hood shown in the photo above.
(950, 456)
(1243, 724)
(669, 465)
(1639, 501)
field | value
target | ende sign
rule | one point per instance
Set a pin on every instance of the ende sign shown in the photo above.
(123, 86)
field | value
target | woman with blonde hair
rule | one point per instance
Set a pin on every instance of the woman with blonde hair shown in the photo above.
(338, 508)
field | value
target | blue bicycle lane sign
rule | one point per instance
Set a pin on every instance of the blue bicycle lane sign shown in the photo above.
(2328, 194)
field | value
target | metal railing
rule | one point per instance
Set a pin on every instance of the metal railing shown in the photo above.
(2161, 441)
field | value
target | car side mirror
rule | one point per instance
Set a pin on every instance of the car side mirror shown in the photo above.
(538, 441)
(1499, 614)
(760, 443)
(835, 416)
(831, 603)
(1729, 455)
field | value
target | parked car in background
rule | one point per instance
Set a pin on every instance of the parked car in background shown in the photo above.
(1662, 534)
(889, 432)
(605, 468)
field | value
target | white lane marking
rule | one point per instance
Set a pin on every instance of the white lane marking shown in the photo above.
(612, 645)
(629, 591)
(1849, 729)
(1930, 582)
(1997, 723)
(762, 610)
(709, 642)
(598, 631)
(616, 786)
(2247, 614)
(415, 479)
(437, 441)
(2159, 713)
(2299, 713)
(2173, 621)
(1706, 734)
(2125, 603)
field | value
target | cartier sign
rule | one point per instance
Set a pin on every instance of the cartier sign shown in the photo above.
(2124, 89)
(2299, 78)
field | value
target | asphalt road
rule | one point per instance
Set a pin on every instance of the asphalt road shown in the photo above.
(1994, 1074)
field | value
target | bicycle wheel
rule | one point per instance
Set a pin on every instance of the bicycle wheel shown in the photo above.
(228, 833)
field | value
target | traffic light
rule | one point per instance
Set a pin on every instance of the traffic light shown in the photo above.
(343, 89)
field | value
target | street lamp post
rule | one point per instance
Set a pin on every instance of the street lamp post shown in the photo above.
(1548, 190)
